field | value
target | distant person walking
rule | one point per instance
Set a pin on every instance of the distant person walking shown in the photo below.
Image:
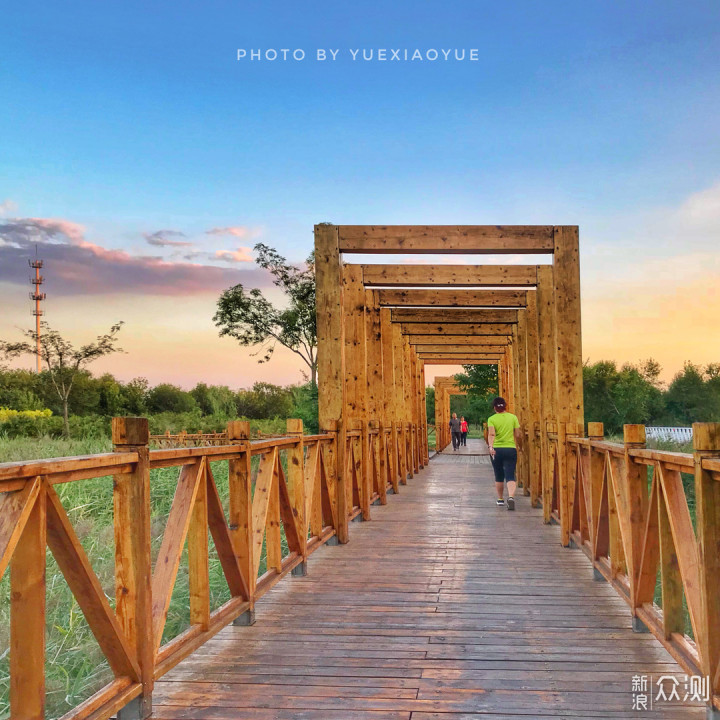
(463, 431)
(504, 438)
(455, 431)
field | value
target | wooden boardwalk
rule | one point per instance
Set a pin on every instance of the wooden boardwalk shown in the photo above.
(442, 607)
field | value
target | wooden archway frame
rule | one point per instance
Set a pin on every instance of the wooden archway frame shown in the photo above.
(372, 376)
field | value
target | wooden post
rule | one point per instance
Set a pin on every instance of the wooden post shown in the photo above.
(198, 561)
(596, 466)
(133, 564)
(548, 385)
(567, 321)
(240, 502)
(521, 391)
(562, 482)
(296, 482)
(365, 478)
(424, 413)
(390, 395)
(27, 617)
(438, 416)
(331, 361)
(534, 416)
(706, 443)
(407, 406)
(398, 359)
(636, 479)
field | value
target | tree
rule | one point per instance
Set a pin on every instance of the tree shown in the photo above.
(64, 362)
(249, 317)
(480, 382)
(170, 398)
(617, 397)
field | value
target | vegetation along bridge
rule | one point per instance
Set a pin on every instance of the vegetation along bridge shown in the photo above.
(442, 605)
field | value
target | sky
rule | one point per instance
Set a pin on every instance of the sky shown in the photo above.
(145, 160)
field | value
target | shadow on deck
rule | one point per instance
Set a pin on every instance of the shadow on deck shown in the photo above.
(442, 607)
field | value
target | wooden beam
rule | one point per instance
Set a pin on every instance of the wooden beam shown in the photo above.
(446, 239)
(461, 350)
(455, 340)
(460, 357)
(453, 298)
(453, 275)
(412, 315)
(437, 329)
(452, 361)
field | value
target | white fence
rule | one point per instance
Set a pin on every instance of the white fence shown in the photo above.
(676, 434)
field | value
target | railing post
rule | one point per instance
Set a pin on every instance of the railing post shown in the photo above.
(27, 616)
(570, 479)
(296, 478)
(596, 469)
(240, 519)
(133, 565)
(548, 476)
(336, 471)
(706, 443)
(637, 487)
(365, 479)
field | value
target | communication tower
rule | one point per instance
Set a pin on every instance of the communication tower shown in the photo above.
(37, 280)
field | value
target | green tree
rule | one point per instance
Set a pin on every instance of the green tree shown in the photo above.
(694, 395)
(170, 398)
(65, 363)
(214, 399)
(430, 404)
(616, 397)
(249, 317)
(134, 396)
(264, 400)
(480, 382)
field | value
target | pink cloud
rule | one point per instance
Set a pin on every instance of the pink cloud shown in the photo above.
(240, 255)
(53, 227)
(238, 231)
(75, 266)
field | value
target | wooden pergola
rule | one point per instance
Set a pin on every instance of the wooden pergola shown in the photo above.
(379, 325)
(444, 388)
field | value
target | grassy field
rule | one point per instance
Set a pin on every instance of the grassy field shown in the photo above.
(75, 667)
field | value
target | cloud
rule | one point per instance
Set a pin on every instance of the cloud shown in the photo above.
(41, 230)
(7, 206)
(702, 209)
(242, 254)
(238, 231)
(162, 238)
(76, 266)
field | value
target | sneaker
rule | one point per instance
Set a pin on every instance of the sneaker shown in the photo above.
(500, 502)
(511, 503)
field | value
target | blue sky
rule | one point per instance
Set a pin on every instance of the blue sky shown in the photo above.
(130, 118)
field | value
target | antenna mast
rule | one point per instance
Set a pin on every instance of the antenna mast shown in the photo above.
(38, 297)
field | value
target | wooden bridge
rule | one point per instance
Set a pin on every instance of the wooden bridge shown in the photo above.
(439, 604)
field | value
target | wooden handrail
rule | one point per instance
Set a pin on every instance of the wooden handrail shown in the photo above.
(296, 492)
(626, 508)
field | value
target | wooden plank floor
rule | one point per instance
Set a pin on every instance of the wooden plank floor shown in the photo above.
(443, 606)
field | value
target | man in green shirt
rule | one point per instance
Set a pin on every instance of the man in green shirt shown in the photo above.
(504, 437)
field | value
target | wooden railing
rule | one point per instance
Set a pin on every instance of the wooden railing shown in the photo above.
(627, 508)
(286, 486)
(186, 439)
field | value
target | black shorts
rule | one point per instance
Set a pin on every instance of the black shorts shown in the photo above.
(504, 464)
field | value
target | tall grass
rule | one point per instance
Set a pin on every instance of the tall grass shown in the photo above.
(75, 666)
